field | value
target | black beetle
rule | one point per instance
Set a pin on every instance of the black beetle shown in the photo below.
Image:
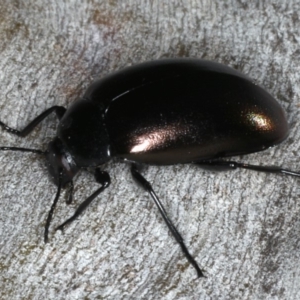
(160, 113)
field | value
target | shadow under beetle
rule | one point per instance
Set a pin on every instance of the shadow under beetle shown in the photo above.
(160, 113)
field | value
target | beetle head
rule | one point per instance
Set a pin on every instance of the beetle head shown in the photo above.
(60, 161)
(83, 132)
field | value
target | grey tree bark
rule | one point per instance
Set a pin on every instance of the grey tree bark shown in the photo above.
(242, 227)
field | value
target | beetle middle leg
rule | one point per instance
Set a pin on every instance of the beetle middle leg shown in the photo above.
(223, 165)
(147, 186)
(101, 177)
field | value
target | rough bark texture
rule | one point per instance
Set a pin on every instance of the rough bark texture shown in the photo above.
(242, 227)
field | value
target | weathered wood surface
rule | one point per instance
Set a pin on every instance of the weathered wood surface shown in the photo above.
(242, 227)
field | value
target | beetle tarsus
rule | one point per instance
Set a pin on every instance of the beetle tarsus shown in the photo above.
(223, 165)
(9, 129)
(147, 186)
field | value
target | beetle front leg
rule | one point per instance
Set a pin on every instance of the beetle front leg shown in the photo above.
(147, 186)
(101, 177)
(59, 110)
(223, 165)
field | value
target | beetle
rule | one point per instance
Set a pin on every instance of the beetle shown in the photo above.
(164, 112)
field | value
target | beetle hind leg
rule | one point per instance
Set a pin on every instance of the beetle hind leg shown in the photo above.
(223, 165)
(147, 186)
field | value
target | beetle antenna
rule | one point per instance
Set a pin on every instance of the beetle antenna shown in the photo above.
(37, 151)
(50, 214)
